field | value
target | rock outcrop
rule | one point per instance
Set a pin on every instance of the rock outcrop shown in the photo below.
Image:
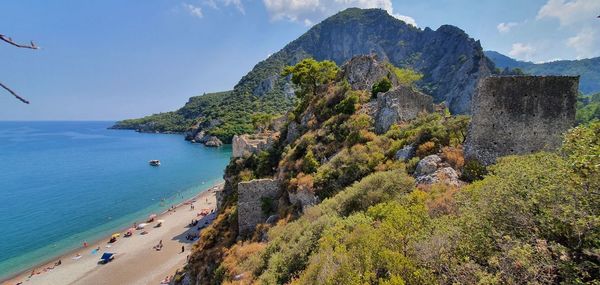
(246, 145)
(401, 104)
(431, 170)
(428, 165)
(520, 115)
(365, 70)
(251, 195)
(446, 175)
(303, 198)
(213, 141)
(405, 153)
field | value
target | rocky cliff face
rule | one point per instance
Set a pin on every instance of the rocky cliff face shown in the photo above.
(452, 63)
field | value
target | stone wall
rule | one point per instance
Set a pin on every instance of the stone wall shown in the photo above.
(250, 196)
(519, 115)
(400, 104)
(246, 145)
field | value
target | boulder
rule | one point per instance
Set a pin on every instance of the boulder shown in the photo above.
(445, 175)
(213, 141)
(427, 165)
(400, 104)
(406, 153)
(272, 219)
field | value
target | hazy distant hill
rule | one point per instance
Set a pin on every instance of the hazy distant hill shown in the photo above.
(588, 69)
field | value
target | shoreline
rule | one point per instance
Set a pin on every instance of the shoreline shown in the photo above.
(24, 275)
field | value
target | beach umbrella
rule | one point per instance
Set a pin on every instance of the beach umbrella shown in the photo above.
(160, 221)
(152, 216)
(130, 230)
(141, 226)
(116, 235)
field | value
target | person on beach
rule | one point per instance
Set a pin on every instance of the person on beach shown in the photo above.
(182, 249)
(59, 262)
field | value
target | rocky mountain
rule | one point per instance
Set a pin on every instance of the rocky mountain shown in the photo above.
(588, 69)
(451, 63)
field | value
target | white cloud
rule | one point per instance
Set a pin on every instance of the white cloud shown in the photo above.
(506, 27)
(211, 4)
(193, 10)
(236, 3)
(309, 12)
(579, 18)
(584, 43)
(522, 51)
(215, 4)
(570, 12)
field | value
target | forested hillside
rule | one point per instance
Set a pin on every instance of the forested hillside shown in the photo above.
(588, 69)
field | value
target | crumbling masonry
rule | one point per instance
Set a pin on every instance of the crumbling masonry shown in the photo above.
(519, 115)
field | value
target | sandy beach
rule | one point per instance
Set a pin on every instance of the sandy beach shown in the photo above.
(135, 261)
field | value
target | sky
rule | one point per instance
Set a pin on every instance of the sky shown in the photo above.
(116, 59)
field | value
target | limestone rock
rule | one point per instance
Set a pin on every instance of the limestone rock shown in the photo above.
(365, 70)
(369, 108)
(406, 153)
(445, 175)
(427, 165)
(213, 141)
(293, 132)
(303, 197)
(250, 197)
(272, 219)
(520, 115)
(401, 104)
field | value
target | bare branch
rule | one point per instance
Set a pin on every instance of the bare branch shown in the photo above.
(13, 93)
(10, 41)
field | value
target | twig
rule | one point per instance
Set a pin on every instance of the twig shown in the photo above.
(10, 41)
(14, 94)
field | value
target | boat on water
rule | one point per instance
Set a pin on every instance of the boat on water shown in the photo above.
(154, 162)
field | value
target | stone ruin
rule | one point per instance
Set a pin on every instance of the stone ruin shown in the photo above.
(250, 198)
(401, 104)
(246, 145)
(520, 115)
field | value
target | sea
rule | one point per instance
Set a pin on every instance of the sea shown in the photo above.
(65, 183)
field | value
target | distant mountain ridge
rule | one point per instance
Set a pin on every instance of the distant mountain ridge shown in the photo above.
(588, 69)
(452, 63)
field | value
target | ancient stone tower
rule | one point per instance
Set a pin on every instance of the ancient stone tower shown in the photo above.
(519, 115)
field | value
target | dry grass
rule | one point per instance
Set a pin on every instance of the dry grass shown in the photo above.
(454, 156)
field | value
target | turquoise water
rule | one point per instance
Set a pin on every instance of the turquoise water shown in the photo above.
(62, 183)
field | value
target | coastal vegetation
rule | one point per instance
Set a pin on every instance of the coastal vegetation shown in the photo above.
(528, 218)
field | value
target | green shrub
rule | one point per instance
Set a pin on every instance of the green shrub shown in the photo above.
(473, 170)
(383, 85)
(348, 105)
(310, 163)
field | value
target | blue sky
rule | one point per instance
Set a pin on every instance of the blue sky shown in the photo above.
(114, 59)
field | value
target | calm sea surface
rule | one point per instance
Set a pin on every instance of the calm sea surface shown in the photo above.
(62, 183)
